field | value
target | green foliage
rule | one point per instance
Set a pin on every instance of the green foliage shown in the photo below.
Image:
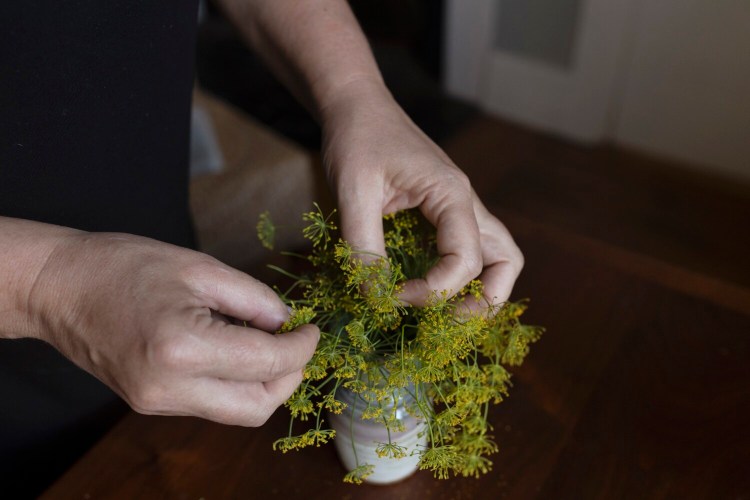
(374, 345)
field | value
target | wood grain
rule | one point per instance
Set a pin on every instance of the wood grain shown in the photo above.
(639, 203)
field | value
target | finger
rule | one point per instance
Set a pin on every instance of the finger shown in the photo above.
(497, 280)
(459, 248)
(248, 354)
(241, 296)
(503, 261)
(362, 223)
(249, 404)
(279, 390)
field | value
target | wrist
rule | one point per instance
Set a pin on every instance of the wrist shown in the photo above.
(354, 94)
(26, 254)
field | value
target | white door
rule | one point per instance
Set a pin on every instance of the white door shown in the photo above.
(671, 77)
(552, 64)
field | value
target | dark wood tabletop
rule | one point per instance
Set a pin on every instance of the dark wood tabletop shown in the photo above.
(640, 388)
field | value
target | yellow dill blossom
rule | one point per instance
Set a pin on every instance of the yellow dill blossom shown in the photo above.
(449, 359)
(399, 235)
(450, 417)
(399, 377)
(329, 353)
(345, 372)
(298, 316)
(441, 460)
(287, 444)
(314, 371)
(359, 474)
(356, 386)
(498, 380)
(475, 423)
(330, 403)
(478, 443)
(357, 360)
(266, 230)
(300, 405)
(358, 336)
(372, 413)
(317, 437)
(518, 343)
(320, 227)
(474, 288)
(428, 374)
(343, 253)
(474, 464)
(390, 450)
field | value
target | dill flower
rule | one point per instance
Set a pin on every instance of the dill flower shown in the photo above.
(286, 444)
(298, 316)
(320, 227)
(474, 465)
(266, 230)
(390, 450)
(314, 371)
(317, 437)
(359, 474)
(444, 363)
(330, 403)
(441, 460)
(300, 405)
(372, 413)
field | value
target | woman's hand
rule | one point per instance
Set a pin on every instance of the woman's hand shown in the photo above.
(151, 320)
(378, 162)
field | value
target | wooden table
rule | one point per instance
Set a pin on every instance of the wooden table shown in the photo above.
(639, 389)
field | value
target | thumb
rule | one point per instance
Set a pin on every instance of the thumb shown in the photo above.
(240, 296)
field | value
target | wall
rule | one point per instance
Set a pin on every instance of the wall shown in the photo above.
(687, 84)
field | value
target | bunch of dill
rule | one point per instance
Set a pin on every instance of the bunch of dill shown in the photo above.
(447, 361)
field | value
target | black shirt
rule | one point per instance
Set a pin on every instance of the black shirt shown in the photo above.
(94, 128)
(94, 113)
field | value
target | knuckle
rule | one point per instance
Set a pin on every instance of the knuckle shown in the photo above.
(195, 269)
(277, 364)
(146, 398)
(519, 260)
(273, 363)
(253, 414)
(459, 179)
(173, 354)
(473, 264)
(514, 257)
(463, 180)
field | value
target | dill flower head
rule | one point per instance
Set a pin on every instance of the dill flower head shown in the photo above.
(266, 230)
(449, 358)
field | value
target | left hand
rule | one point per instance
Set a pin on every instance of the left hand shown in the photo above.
(379, 162)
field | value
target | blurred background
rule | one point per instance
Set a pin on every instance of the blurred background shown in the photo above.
(669, 78)
(625, 120)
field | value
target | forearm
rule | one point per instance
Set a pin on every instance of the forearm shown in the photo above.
(25, 247)
(315, 47)
(138, 314)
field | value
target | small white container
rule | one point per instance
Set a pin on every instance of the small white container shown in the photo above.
(364, 436)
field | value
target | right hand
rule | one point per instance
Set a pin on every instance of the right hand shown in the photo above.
(150, 320)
